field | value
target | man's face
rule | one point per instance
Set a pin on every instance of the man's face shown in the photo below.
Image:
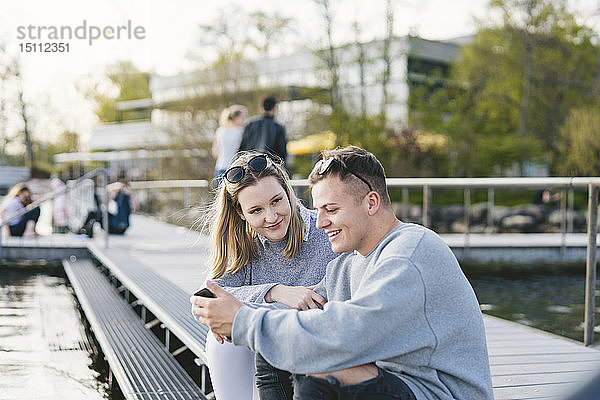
(341, 215)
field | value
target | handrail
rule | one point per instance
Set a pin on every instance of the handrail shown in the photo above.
(592, 184)
(166, 184)
(103, 178)
(516, 182)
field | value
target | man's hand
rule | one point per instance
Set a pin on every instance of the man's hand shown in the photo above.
(298, 297)
(217, 313)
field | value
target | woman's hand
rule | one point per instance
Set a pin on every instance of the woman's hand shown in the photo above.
(221, 339)
(298, 297)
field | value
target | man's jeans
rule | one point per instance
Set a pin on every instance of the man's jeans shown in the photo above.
(272, 383)
(275, 384)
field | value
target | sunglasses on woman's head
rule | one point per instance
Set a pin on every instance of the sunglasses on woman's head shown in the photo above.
(323, 166)
(255, 164)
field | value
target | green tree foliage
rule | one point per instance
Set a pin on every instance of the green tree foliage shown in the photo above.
(67, 142)
(228, 49)
(580, 143)
(127, 83)
(514, 85)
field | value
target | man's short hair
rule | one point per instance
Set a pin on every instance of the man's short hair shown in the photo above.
(353, 163)
(269, 103)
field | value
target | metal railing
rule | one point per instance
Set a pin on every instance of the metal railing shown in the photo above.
(566, 185)
(102, 175)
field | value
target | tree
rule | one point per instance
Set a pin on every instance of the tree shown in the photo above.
(126, 82)
(13, 107)
(514, 85)
(67, 142)
(23, 112)
(329, 55)
(580, 145)
(386, 57)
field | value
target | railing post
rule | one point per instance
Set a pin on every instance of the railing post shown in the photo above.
(1, 252)
(103, 180)
(570, 212)
(404, 204)
(186, 197)
(467, 215)
(490, 208)
(590, 275)
(426, 201)
(563, 223)
(467, 220)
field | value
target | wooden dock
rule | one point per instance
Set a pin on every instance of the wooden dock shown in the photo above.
(526, 363)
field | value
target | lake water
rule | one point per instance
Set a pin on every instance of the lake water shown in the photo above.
(44, 351)
(551, 298)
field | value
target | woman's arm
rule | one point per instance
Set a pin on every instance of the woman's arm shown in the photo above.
(298, 297)
(238, 284)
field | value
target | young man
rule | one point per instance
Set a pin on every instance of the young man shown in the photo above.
(264, 134)
(401, 320)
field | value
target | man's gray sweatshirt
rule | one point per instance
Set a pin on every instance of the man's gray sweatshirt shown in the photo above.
(406, 305)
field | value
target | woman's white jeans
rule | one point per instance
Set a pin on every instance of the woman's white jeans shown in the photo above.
(231, 370)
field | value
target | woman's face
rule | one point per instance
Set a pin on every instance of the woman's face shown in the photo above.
(25, 197)
(266, 207)
(240, 120)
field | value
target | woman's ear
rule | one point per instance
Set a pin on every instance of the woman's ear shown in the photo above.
(240, 213)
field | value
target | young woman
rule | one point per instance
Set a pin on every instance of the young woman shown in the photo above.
(19, 197)
(228, 137)
(265, 249)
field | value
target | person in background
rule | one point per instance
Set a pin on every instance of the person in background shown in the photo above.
(265, 249)
(264, 134)
(19, 197)
(118, 218)
(228, 137)
(120, 206)
(60, 207)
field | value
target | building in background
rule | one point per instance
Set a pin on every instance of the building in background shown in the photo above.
(185, 107)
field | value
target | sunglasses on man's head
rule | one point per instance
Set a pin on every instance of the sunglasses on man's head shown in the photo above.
(255, 164)
(323, 166)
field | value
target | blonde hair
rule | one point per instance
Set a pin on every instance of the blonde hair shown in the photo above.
(232, 241)
(229, 114)
(14, 191)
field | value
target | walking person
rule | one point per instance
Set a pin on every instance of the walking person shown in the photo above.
(401, 320)
(19, 197)
(228, 137)
(266, 249)
(264, 134)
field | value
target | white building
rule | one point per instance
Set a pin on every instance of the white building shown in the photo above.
(296, 80)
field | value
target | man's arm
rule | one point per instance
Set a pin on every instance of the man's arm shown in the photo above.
(388, 304)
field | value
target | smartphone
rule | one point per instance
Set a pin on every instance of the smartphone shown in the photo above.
(205, 293)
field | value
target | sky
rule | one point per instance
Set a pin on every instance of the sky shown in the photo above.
(53, 83)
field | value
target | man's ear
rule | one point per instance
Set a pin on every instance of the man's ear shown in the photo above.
(240, 213)
(373, 202)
